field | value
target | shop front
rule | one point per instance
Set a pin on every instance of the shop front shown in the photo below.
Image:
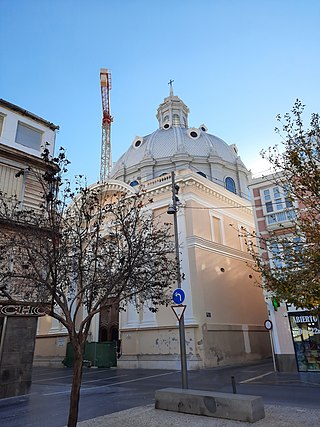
(305, 328)
(18, 326)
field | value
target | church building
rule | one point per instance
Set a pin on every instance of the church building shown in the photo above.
(225, 309)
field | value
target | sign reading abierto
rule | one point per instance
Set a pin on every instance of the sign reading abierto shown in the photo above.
(21, 310)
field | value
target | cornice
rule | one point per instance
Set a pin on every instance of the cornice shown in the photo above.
(27, 113)
(112, 185)
(227, 251)
(22, 159)
(187, 179)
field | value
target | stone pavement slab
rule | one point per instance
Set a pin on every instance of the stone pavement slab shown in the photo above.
(148, 416)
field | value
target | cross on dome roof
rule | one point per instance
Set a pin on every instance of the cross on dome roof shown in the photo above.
(171, 88)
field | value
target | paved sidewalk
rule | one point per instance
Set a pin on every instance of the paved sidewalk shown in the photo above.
(148, 416)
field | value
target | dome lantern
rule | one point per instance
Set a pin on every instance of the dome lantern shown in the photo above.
(172, 112)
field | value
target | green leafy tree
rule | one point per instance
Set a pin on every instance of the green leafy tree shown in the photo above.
(80, 249)
(293, 274)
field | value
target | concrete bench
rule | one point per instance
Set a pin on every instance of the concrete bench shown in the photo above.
(239, 407)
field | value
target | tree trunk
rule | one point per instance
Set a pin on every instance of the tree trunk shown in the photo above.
(76, 385)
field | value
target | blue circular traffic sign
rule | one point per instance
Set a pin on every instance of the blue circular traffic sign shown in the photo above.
(178, 296)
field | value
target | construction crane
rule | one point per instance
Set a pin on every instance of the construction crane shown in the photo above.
(106, 160)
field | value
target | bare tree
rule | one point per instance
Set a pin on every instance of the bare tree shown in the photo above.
(79, 249)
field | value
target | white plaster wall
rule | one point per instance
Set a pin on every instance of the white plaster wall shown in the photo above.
(9, 130)
(281, 333)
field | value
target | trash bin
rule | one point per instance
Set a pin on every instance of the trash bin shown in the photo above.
(98, 354)
(68, 360)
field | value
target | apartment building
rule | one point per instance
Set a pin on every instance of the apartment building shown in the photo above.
(23, 137)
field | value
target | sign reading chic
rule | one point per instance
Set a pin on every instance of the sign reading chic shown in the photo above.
(21, 310)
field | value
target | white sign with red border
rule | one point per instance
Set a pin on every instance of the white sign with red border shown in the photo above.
(178, 310)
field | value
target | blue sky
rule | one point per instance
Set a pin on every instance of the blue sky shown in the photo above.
(235, 63)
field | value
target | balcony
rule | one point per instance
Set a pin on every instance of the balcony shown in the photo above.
(276, 219)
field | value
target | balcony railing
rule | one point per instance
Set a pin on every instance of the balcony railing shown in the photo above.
(280, 217)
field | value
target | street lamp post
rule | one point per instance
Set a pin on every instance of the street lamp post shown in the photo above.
(173, 210)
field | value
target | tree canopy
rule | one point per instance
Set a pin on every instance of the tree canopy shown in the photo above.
(293, 274)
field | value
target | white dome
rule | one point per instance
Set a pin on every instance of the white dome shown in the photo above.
(162, 144)
(176, 146)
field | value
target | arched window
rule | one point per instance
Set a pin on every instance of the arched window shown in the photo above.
(134, 183)
(175, 119)
(230, 185)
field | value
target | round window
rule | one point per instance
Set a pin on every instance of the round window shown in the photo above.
(203, 128)
(193, 133)
(166, 126)
(137, 141)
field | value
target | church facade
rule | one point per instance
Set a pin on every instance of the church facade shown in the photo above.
(225, 310)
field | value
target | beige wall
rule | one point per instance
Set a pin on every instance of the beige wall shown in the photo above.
(51, 346)
(159, 348)
(230, 296)
(51, 342)
(225, 306)
(225, 344)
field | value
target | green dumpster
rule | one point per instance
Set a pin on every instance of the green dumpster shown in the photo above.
(98, 354)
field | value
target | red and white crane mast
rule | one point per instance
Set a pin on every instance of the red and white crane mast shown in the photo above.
(106, 160)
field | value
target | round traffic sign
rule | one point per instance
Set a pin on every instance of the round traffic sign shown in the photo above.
(178, 296)
(268, 325)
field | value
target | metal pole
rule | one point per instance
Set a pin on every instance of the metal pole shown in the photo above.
(272, 349)
(233, 382)
(2, 337)
(182, 337)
